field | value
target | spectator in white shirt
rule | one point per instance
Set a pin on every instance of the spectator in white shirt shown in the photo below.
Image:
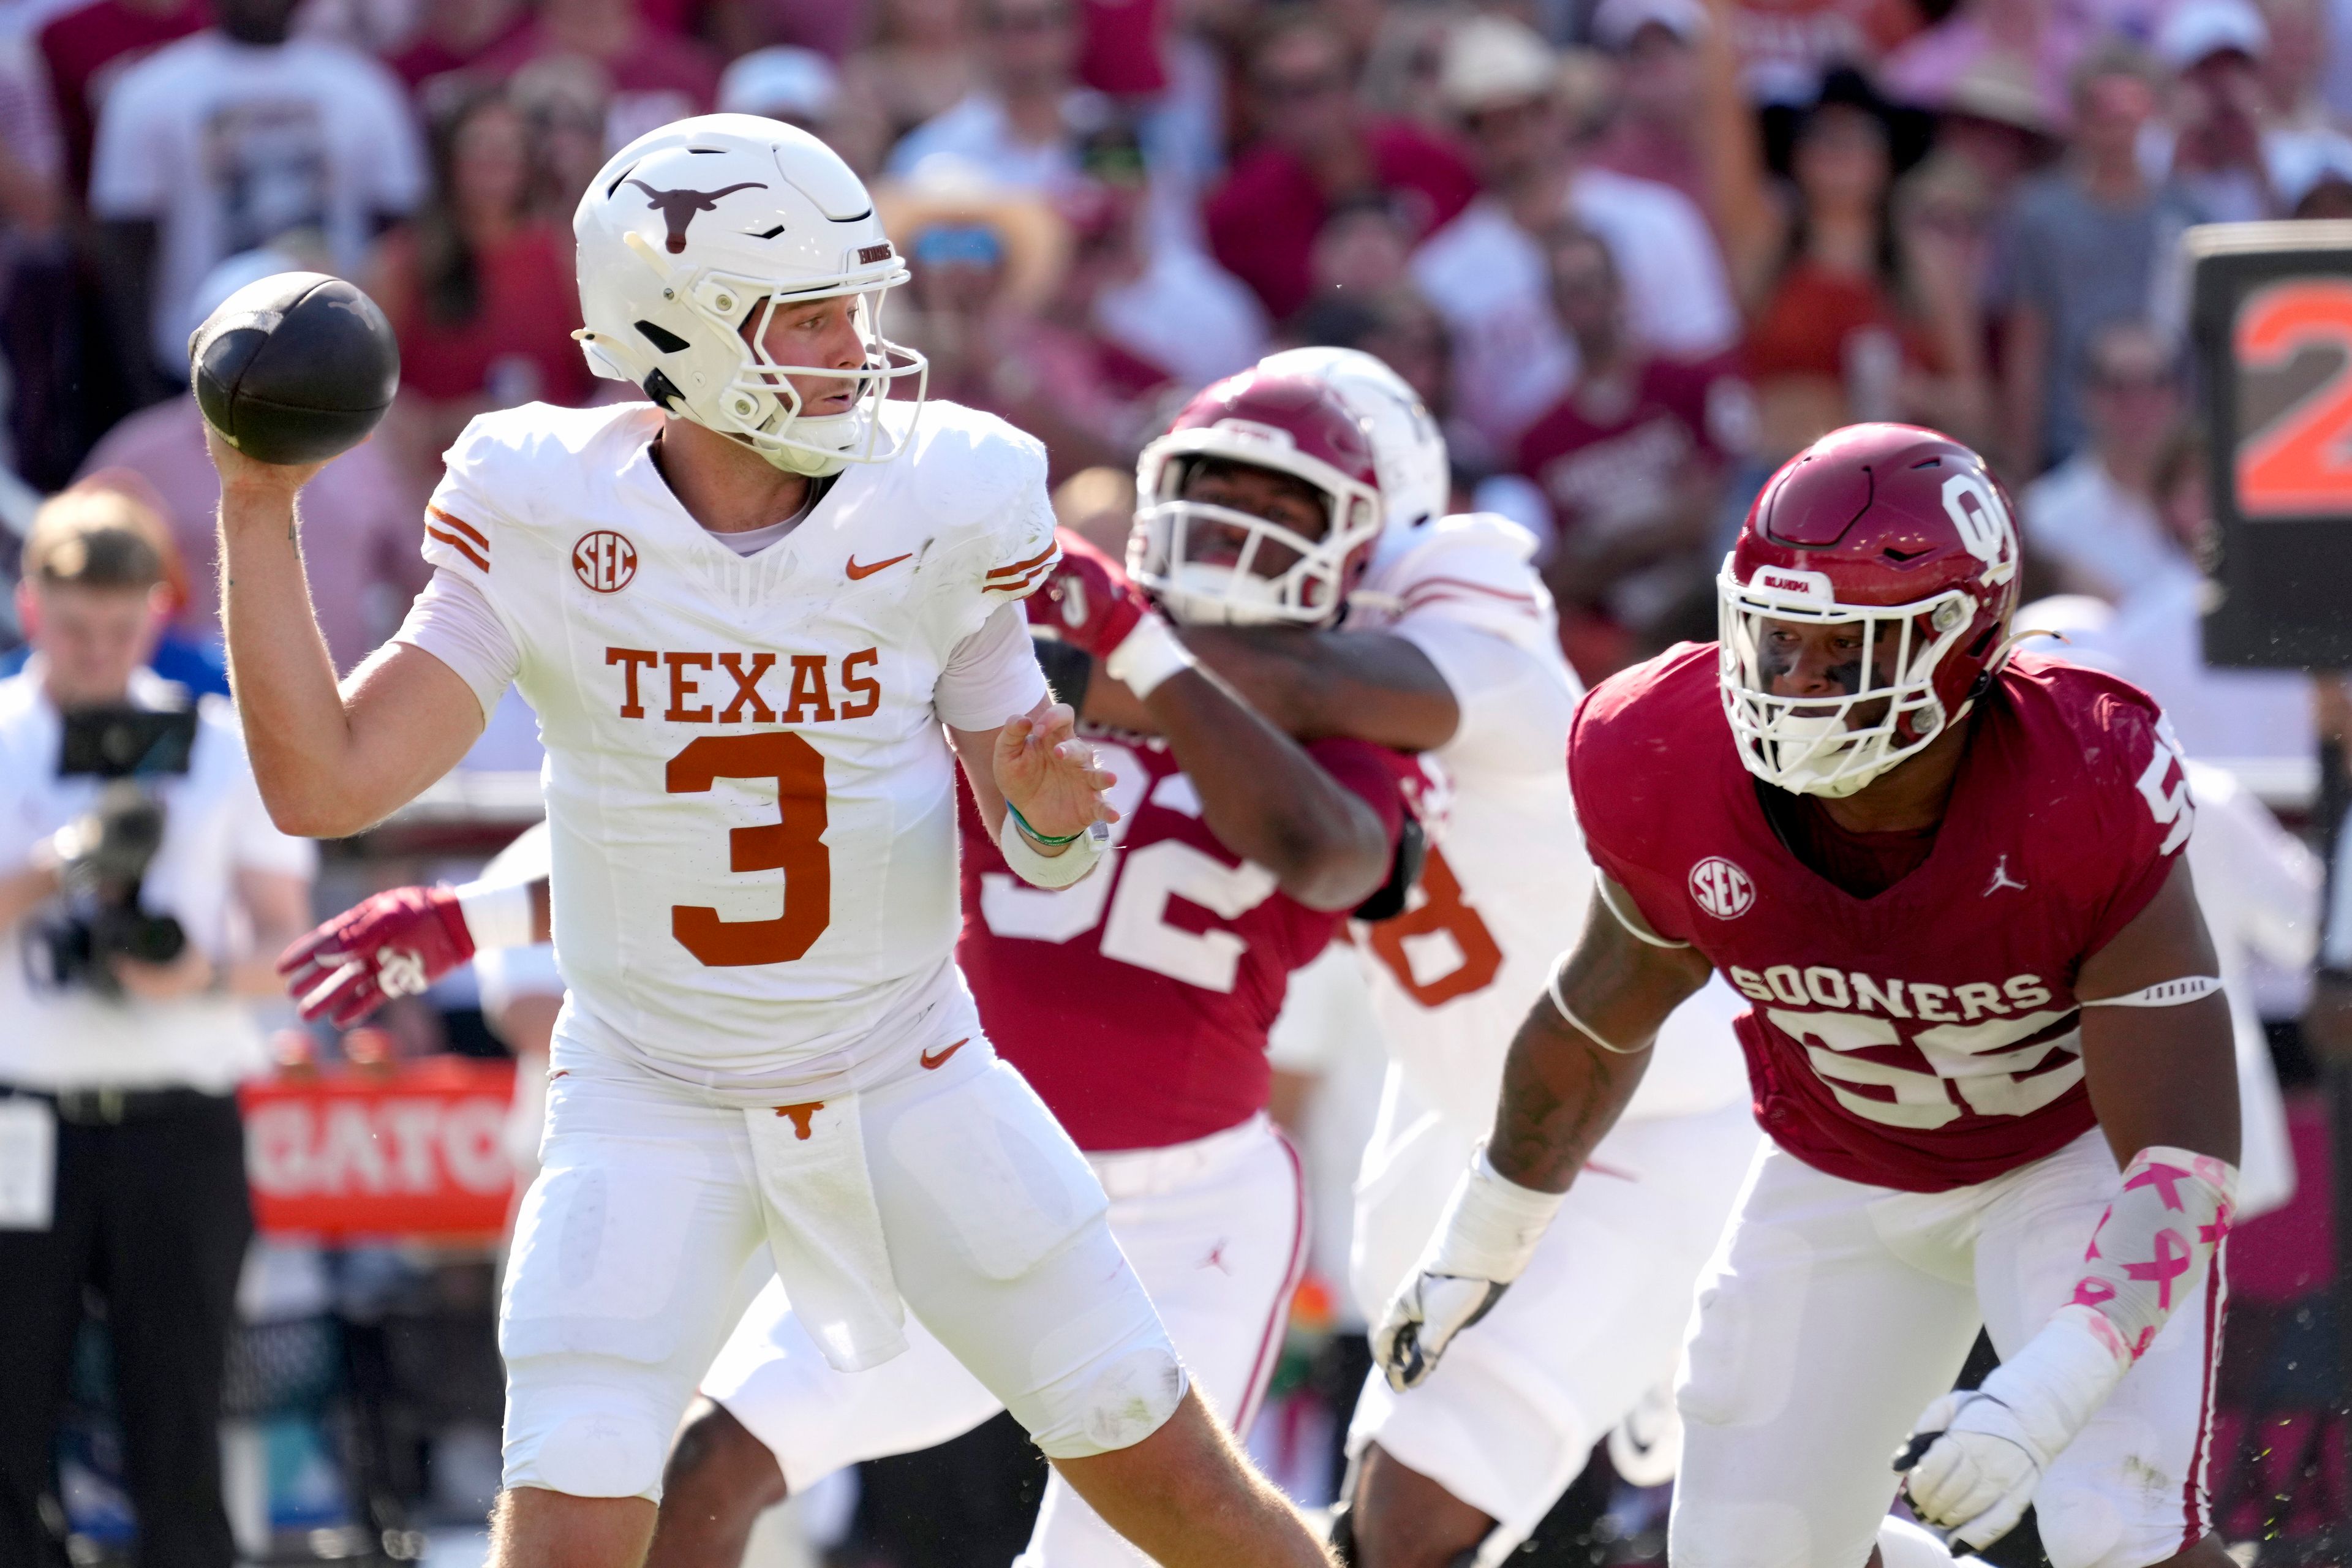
(1485, 272)
(228, 139)
(2093, 518)
(1023, 124)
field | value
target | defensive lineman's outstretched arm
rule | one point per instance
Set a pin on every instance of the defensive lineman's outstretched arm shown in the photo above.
(1263, 797)
(1572, 1068)
(1370, 686)
(329, 761)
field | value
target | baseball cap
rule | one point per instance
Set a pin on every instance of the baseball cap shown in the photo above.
(780, 83)
(1491, 60)
(2200, 29)
(1616, 23)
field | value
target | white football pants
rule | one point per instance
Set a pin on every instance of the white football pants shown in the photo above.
(631, 1241)
(1834, 1312)
(1510, 1416)
(1215, 1229)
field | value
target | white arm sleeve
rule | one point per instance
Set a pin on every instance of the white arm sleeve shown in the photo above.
(453, 621)
(1515, 704)
(992, 675)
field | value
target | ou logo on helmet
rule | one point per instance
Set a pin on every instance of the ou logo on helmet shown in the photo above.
(1721, 889)
(1983, 523)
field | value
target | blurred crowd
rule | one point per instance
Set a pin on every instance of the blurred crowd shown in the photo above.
(1633, 252)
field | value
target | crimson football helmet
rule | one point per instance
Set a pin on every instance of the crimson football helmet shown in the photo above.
(1901, 532)
(1214, 564)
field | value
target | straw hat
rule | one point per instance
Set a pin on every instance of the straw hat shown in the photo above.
(944, 190)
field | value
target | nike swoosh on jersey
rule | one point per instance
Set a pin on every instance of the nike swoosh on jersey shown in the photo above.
(936, 1062)
(858, 573)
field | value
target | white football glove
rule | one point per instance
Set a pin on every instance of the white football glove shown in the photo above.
(1978, 1476)
(1490, 1230)
(1980, 1454)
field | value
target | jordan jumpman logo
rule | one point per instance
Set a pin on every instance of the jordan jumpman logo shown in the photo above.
(2002, 879)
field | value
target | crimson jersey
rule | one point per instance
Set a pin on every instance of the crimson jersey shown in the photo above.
(1926, 1038)
(1137, 1002)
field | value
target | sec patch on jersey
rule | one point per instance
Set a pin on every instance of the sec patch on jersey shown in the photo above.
(296, 367)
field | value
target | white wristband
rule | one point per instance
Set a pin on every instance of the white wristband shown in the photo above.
(1147, 655)
(1041, 870)
(2059, 1378)
(1491, 1226)
(498, 916)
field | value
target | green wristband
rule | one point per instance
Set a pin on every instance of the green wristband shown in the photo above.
(1037, 838)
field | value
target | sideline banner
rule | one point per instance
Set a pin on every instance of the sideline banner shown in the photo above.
(415, 1152)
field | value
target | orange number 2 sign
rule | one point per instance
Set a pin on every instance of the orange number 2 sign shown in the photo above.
(2301, 462)
(794, 843)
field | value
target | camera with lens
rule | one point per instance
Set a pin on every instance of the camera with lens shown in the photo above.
(104, 854)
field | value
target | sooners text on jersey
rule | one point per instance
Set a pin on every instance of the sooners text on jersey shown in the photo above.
(1926, 1038)
(1137, 1002)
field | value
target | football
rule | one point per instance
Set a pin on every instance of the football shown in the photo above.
(295, 367)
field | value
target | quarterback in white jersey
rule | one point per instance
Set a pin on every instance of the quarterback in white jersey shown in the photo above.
(1451, 649)
(759, 617)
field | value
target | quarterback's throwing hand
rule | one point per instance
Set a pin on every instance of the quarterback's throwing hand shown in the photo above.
(1978, 1473)
(1047, 774)
(394, 944)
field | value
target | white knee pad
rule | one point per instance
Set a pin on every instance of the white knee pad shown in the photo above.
(1904, 1544)
(1117, 1406)
(2083, 1527)
(587, 1427)
(1106, 1377)
(998, 1238)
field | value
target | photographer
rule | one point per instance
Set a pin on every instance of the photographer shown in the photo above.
(143, 893)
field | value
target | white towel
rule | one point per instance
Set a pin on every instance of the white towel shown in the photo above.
(826, 1231)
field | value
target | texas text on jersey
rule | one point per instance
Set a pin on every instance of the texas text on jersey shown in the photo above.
(1924, 1038)
(1138, 1003)
(701, 854)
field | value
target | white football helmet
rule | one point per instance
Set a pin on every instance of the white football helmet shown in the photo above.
(1416, 476)
(702, 228)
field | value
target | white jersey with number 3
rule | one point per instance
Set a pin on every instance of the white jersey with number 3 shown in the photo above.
(1506, 883)
(751, 796)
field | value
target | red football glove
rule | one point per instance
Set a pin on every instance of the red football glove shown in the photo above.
(1089, 601)
(394, 944)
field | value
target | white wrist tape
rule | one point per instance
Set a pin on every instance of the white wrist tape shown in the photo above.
(2163, 993)
(1042, 871)
(2153, 1245)
(1491, 1226)
(498, 916)
(2058, 1379)
(1148, 655)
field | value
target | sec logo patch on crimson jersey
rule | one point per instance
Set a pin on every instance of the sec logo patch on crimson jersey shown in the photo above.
(605, 560)
(1721, 889)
